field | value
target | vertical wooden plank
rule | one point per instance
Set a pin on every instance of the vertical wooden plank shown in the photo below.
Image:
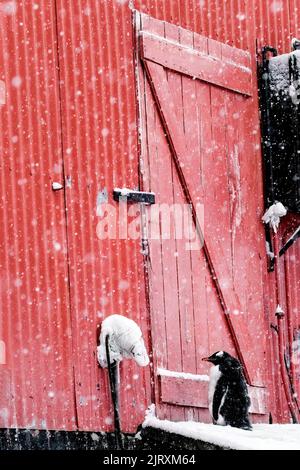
(245, 176)
(176, 348)
(188, 309)
(145, 113)
(201, 276)
(199, 266)
(217, 225)
(175, 83)
(163, 273)
(155, 265)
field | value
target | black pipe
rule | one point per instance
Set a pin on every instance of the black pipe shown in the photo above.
(266, 124)
(266, 132)
(113, 371)
(290, 242)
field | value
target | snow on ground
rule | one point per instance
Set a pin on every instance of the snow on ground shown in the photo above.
(263, 436)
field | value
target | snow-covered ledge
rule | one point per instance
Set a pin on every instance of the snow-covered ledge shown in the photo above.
(263, 436)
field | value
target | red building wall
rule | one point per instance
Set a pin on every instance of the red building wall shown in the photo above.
(71, 116)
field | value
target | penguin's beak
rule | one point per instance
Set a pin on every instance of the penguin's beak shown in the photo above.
(207, 359)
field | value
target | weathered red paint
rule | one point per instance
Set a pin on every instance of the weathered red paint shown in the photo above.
(199, 65)
(69, 118)
(37, 379)
(182, 169)
(189, 392)
(69, 114)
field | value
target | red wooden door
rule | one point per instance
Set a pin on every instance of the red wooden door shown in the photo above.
(36, 366)
(197, 144)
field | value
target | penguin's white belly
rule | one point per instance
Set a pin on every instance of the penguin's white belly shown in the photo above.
(221, 420)
(214, 376)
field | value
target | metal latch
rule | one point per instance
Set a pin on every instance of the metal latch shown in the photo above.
(132, 195)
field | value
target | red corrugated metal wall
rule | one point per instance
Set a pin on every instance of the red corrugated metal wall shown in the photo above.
(100, 152)
(70, 116)
(37, 380)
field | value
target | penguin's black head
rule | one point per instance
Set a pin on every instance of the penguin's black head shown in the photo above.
(217, 358)
(295, 44)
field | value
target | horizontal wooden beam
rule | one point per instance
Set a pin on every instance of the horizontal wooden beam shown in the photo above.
(187, 392)
(175, 56)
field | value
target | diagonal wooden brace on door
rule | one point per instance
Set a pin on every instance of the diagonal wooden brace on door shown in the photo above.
(154, 64)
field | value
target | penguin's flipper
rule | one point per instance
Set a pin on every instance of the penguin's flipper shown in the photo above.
(219, 393)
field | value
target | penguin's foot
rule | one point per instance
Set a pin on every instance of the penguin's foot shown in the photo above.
(248, 428)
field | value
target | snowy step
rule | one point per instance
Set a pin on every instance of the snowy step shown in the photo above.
(263, 436)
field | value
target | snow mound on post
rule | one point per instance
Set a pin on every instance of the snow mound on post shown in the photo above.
(279, 72)
(125, 341)
(263, 436)
(274, 214)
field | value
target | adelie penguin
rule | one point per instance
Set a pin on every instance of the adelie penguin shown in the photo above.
(229, 401)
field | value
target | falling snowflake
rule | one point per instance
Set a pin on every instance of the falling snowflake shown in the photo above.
(277, 6)
(16, 81)
(123, 285)
(87, 11)
(9, 8)
(105, 132)
(57, 246)
(108, 420)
